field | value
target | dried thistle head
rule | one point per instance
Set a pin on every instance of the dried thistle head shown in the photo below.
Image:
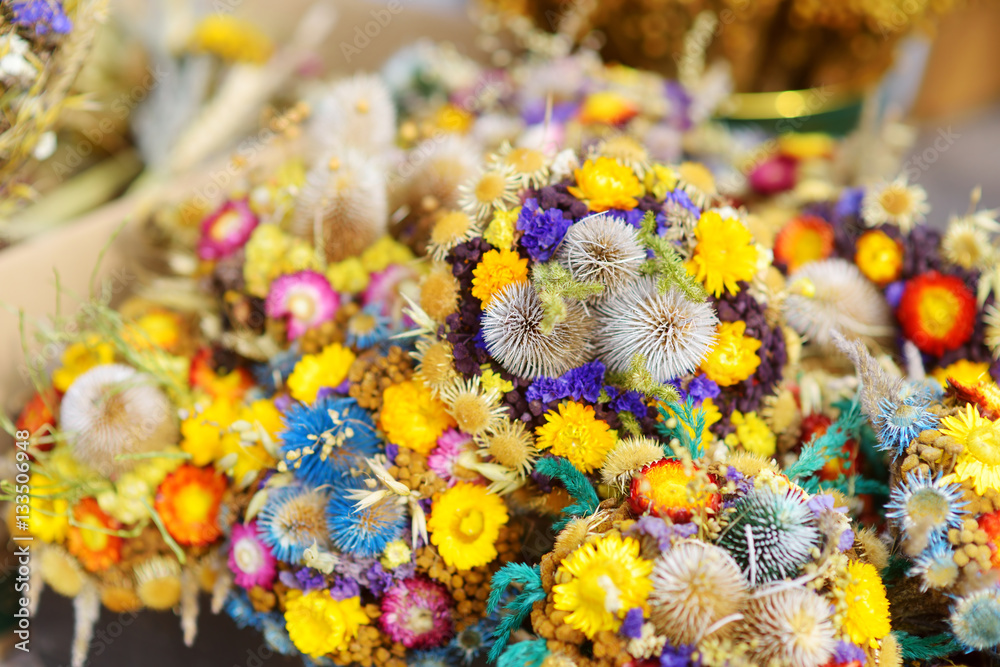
(628, 457)
(358, 112)
(602, 249)
(511, 445)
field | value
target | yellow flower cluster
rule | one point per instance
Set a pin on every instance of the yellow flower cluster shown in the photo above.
(79, 358)
(605, 184)
(210, 435)
(319, 624)
(412, 417)
(500, 232)
(270, 253)
(231, 39)
(752, 433)
(314, 371)
(497, 270)
(725, 254)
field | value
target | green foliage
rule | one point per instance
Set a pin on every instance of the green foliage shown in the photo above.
(638, 378)
(630, 424)
(684, 414)
(821, 449)
(518, 609)
(667, 264)
(926, 648)
(576, 483)
(555, 284)
(525, 654)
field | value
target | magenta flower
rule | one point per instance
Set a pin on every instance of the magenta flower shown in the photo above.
(383, 287)
(305, 298)
(416, 612)
(774, 175)
(226, 230)
(443, 459)
(250, 559)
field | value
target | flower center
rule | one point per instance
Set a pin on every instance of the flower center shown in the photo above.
(896, 201)
(226, 225)
(928, 506)
(471, 525)
(95, 540)
(301, 306)
(362, 323)
(194, 503)
(938, 311)
(490, 187)
(983, 443)
(420, 621)
(248, 555)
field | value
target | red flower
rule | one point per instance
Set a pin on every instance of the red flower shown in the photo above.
(661, 489)
(90, 540)
(805, 239)
(937, 312)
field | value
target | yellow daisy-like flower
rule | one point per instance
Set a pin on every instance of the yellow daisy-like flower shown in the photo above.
(203, 433)
(232, 39)
(500, 232)
(319, 624)
(575, 432)
(384, 252)
(606, 107)
(604, 184)
(79, 358)
(49, 513)
(600, 582)
(412, 417)
(879, 257)
(251, 455)
(660, 180)
(396, 553)
(980, 462)
(752, 433)
(493, 381)
(866, 617)
(348, 275)
(465, 524)
(734, 357)
(725, 253)
(156, 329)
(315, 371)
(963, 371)
(495, 271)
(452, 118)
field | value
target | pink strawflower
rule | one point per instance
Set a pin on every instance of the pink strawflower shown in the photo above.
(416, 612)
(305, 298)
(250, 559)
(226, 230)
(383, 288)
(776, 174)
(443, 459)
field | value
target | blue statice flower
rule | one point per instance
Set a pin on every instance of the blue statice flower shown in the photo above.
(898, 423)
(849, 204)
(923, 504)
(275, 371)
(324, 441)
(367, 530)
(698, 388)
(473, 642)
(846, 653)
(42, 15)
(368, 328)
(542, 230)
(292, 519)
(581, 384)
(935, 566)
(632, 624)
(239, 608)
(626, 401)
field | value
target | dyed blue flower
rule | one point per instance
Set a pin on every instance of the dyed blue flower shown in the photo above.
(898, 423)
(435, 657)
(368, 328)
(975, 620)
(677, 656)
(324, 441)
(239, 608)
(679, 198)
(632, 624)
(272, 374)
(926, 503)
(542, 230)
(42, 15)
(364, 531)
(546, 390)
(276, 636)
(581, 384)
(894, 293)
(698, 388)
(474, 641)
(292, 520)
(626, 401)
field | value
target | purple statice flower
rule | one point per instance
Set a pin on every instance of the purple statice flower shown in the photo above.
(678, 198)
(42, 15)
(543, 229)
(661, 531)
(681, 104)
(849, 204)
(844, 653)
(676, 656)
(846, 540)
(822, 503)
(626, 401)
(391, 451)
(742, 482)
(425, 504)
(701, 387)
(355, 568)
(894, 293)
(581, 384)
(344, 587)
(546, 390)
(632, 624)
(304, 579)
(379, 580)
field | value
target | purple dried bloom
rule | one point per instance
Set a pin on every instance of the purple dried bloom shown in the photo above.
(308, 579)
(344, 587)
(846, 652)
(632, 623)
(849, 204)
(580, 384)
(42, 15)
(626, 401)
(894, 293)
(677, 656)
(542, 229)
(391, 451)
(661, 531)
(378, 579)
(846, 540)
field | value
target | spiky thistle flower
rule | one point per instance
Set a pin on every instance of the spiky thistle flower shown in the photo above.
(771, 534)
(790, 627)
(512, 329)
(475, 409)
(935, 567)
(672, 333)
(342, 207)
(357, 111)
(897, 423)
(975, 620)
(833, 295)
(364, 531)
(602, 249)
(113, 410)
(510, 444)
(629, 456)
(292, 519)
(695, 587)
(324, 441)
(922, 505)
